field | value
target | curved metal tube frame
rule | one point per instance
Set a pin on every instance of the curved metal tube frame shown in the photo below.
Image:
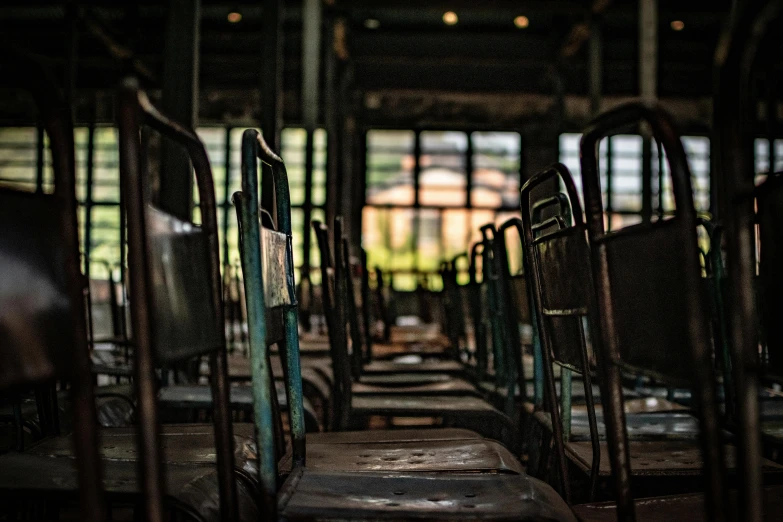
(134, 110)
(573, 211)
(732, 118)
(703, 382)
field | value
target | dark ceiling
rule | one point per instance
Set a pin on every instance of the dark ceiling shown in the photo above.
(397, 48)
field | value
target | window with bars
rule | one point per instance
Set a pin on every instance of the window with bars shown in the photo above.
(429, 191)
(620, 172)
(25, 164)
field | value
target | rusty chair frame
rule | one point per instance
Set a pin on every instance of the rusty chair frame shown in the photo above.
(561, 289)
(150, 233)
(47, 340)
(653, 341)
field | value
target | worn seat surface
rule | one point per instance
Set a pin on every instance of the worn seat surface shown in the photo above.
(200, 398)
(192, 489)
(452, 386)
(415, 366)
(425, 406)
(381, 436)
(665, 457)
(181, 444)
(405, 379)
(453, 456)
(313, 495)
(676, 507)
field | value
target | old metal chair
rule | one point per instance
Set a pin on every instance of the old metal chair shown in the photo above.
(175, 284)
(190, 486)
(461, 410)
(653, 315)
(42, 321)
(383, 383)
(339, 492)
(558, 257)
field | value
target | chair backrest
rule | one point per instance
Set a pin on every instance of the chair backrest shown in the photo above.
(270, 293)
(461, 303)
(769, 196)
(734, 115)
(383, 308)
(477, 309)
(506, 362)
(558, 260)
(334, 299)
(366, 314)
(175, 283)
(515, 296)
(354, 306)
(43, 329)
(715, 285)
(652, 309)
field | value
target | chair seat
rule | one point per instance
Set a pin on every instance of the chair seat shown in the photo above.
(642, 426)
(190, 489)
(453, 456)
(405, 379)
(676, 507)
(449, 387)
(411, 406)
(199, 397)
(417, 366)
(463, 411)
(314, 346)
(387, 351)
(664, 457)
(420, 333)
(381, 436)
(313, 495)
(239, 369)
(181, 444)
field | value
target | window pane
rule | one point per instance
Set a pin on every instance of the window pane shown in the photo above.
(214, 139)
(443, 178)
(390, 162)
(18, 158)
(430, 249)
(106, 165)
(626, 174)
(698, 150)
(292, 150)
(496, 168)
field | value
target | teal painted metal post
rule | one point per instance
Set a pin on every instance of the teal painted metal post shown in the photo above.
(250, 255)
(254, 146)
(566, 378)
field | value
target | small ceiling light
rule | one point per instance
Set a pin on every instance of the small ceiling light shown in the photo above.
(678, 25)
(521, 22)
(234, 17)
(450, 18)
(372, 23)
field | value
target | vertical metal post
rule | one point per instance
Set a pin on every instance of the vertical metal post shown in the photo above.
(609, 189)
(226, 196)
(469, 171)
(307, 206)
(648, 81)
(271, 90)
(595, 62)
(180, 102)
(311, 66)
(333, 135)
(39, 159)
(416, 202)
(72, 53)
(772, 118)
(88, 200)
